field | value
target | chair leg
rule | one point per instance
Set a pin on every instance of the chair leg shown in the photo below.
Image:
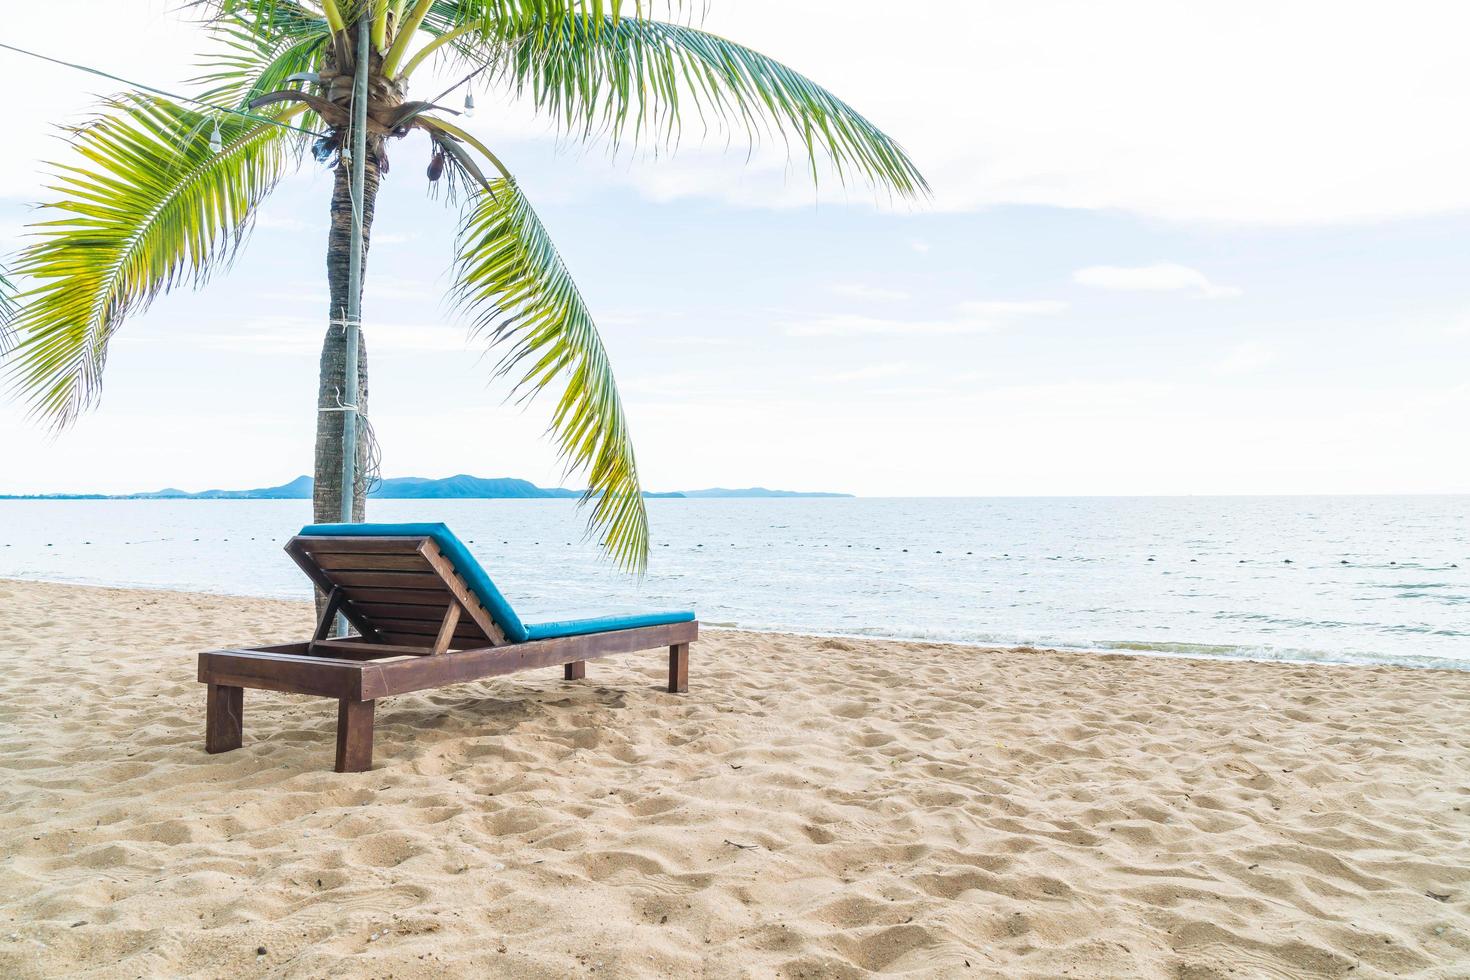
(354, 735)
(224, 722)
(679, 668)
(574, 671)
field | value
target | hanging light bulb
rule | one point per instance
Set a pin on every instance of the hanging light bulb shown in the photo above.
(216, 144)
(469, 103)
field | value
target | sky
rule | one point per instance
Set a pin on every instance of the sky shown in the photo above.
(1204, 248)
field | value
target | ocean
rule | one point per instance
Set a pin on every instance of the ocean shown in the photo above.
(1331, 579)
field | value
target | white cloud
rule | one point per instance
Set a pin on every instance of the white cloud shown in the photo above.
(420, 337)
(621, 319)
(268, 220)
(285, 334)
(700, 342)
(1245, 358)
(1204, 111)
(673, 385)
(873, 372)
(920, 246)
(636, 316)
(395, 287)
(1160, 277)
(854, 325)
(976, 316)
(858, 290)
(300, 295)
(1012, 308)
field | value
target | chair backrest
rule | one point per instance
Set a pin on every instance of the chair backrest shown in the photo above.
(396, 582)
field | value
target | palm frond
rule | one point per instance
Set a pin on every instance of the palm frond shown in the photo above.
(256, 9)
(512, 283)
(625, 78)
(482, 31)
(261, 54)
(151, 207)
(515, 17)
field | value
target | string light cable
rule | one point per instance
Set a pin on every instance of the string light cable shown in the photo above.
(158, 91)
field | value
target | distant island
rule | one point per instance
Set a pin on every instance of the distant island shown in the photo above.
(458, 487)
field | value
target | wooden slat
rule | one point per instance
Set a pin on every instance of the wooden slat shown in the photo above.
(432, 598)
(400, 677)
(417, 627)
(431, 614)
(379, 649)
(367, 653)
(295, 648)
(455, 584)
(459, 642)
(344, 653)
(429, 626)
(370, 562)
(426, 580)
(468, 633)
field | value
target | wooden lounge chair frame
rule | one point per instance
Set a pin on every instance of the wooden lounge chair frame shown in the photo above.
(420, 626)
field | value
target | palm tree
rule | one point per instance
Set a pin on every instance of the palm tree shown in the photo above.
(163, 192)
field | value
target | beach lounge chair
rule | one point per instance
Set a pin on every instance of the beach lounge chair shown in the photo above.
(427, 615)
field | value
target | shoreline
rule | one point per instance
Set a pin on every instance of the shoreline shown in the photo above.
(1125, 648)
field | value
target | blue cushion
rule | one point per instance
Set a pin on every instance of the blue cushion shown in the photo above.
(495, 604)
(452, 548)
(601, 624)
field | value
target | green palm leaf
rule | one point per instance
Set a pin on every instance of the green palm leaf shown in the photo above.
(260, 54)
(626, 77)
(511, 281)
(513, 18)
(473, 33)
(268, 8)
(151, 207)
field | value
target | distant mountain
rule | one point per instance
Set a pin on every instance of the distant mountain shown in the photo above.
(297, 489)
(460, 487)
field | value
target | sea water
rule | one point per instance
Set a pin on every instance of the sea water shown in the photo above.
(1338, 579)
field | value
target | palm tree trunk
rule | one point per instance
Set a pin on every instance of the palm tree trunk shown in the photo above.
(327, 490)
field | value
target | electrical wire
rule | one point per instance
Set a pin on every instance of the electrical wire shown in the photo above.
(457, 84)
(163, 92)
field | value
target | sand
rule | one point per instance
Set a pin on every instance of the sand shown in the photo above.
(813, 807)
